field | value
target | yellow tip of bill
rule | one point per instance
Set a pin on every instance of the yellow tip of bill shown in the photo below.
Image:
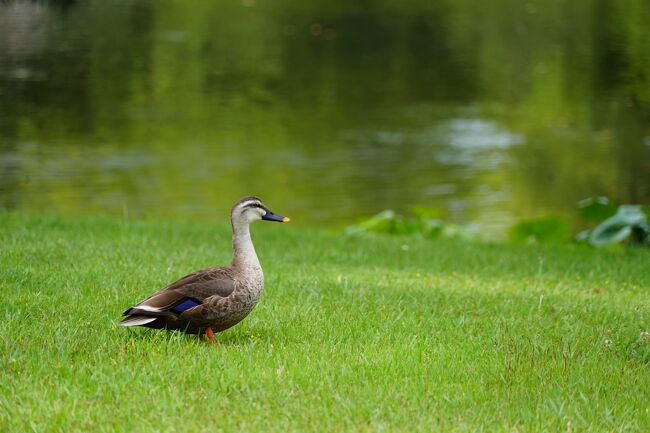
(286, 219)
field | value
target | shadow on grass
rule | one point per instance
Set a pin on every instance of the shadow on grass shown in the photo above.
(237, 337)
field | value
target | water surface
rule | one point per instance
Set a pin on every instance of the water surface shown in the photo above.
(329, 111)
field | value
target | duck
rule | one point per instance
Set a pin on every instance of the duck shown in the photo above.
(214, 299)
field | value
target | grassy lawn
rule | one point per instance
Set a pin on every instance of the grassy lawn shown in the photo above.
(384, 334)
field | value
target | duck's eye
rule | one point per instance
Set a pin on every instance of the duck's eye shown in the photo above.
(254, 206)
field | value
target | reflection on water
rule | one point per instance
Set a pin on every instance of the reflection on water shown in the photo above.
(486, 112)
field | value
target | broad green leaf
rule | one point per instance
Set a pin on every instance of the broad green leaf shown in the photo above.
(543, 230)
(618, 227)
(597, 209)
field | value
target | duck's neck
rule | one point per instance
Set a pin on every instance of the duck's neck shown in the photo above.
(244, 251)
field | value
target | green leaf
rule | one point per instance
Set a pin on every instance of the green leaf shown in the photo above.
(388, 222)
(543, 230)
(380, 223)
(597, 209)
(583, 236)
(619, 227)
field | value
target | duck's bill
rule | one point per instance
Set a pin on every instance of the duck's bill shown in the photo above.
(270, 216)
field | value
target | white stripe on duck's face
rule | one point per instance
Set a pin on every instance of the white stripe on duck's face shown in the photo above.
(248, 211)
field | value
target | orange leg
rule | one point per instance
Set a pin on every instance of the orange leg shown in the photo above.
(210, 334)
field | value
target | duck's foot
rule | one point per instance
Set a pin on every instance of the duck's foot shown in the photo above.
(210, 335)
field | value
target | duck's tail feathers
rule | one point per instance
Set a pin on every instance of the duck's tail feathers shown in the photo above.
(137, 320)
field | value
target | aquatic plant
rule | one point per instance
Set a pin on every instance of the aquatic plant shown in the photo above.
(420, 223)
(628, 225)
(541, 230)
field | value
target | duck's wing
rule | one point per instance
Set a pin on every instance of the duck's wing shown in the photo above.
(162, 309)
(211, 310)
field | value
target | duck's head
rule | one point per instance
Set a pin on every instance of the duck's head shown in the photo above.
(251, 209)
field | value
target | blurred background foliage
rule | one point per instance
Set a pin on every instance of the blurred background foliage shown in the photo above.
(487, 112)
(609, 224)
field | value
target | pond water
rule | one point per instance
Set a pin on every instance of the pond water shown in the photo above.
(486, 112)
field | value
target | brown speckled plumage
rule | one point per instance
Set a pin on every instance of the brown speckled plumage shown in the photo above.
(223, 296)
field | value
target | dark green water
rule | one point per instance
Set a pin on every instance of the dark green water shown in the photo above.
(328, 110)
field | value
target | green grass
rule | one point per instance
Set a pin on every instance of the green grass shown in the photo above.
(384, 334)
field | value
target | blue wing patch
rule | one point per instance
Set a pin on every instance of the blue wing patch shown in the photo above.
(186, 304)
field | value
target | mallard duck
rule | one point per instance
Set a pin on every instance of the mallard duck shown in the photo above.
(214, 299)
